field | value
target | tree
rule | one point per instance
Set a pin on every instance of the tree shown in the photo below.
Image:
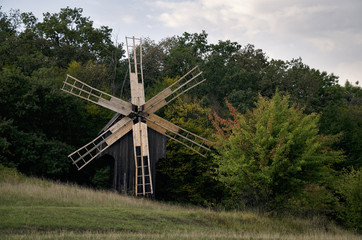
(269, 155)
(345, 117)
(185, 176)
(184, 52)
(69, 36)
(349, 187)
(39, 124)
(308, 87)
(234, 72)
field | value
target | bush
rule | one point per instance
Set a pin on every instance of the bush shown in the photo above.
(349, 187)
(270, 155)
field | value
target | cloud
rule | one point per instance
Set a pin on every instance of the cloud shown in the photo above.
(323, 44)
(298, 18)
(351, 71)
(326, 33)
(127, 19)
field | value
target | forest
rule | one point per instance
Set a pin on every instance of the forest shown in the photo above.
(286, 138)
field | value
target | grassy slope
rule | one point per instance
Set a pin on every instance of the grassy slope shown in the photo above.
(37, 209)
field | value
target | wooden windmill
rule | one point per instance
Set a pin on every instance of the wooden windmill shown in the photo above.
(136, 116)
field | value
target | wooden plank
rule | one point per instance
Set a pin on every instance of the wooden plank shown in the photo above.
(144, 139)
(119, 133)
(136, 135)
(79, 89)
(177, 131)
(136, 143)
(156, 99)
(157, 106)
(116, 105)
(101, 143)
(164, 123)
(134, 88)
(156, 127)
(120, 124)
(122, 105)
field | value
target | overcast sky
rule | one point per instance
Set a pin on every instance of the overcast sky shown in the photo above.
(326, 34)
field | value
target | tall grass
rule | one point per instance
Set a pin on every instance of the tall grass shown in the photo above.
(31, 208)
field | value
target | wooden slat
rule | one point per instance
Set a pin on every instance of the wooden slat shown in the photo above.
(116, 105)
(137, 90)
(93, 149)
(120, 133)
(144, 139)
(177, 133)
(181, 86)
(164, 123)
(82, 90)
(156, 127)
(158, 98)
(140, 140)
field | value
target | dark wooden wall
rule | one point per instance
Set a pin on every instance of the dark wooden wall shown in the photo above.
(124, 166)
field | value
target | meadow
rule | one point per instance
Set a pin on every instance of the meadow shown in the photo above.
(32, 208)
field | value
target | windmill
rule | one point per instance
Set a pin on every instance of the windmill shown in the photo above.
(136, 116)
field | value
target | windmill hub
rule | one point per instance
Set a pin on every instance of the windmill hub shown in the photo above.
(138, 113)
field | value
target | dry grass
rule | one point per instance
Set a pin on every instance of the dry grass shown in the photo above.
(37, 209)
(53, 193)
(177, 235)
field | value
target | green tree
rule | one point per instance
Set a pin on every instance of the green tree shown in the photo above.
(349, 188)
(184, 52)
(345, 117)
(271, 153)
(152, 62)
(185, 176)
(308, 87)
(40, 124)
(69, 36)
(235, 72)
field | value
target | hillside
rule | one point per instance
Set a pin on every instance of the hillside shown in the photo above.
(37, 209)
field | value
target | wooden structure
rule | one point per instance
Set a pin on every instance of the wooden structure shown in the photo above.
(136, 127)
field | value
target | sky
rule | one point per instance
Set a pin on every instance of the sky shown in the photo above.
(326, 34)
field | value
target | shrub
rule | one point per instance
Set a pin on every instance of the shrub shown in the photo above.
(349, 188)
(270, 155)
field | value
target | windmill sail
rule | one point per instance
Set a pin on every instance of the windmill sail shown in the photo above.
(93, 149)
(82, 90)
(182, 85)
(191, 140)
(143, 176)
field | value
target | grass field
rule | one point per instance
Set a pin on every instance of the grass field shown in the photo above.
(37, 209)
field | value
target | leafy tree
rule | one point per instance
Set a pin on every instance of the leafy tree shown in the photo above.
(234, 72)
(152, 62)
(271, 153)
(20, 46)
(184, 176)
(345, 117)
(184, 53)
(70, 36)
(349, 187)
(308, 87)
(215, 68)
(92, 73)
(39, 123)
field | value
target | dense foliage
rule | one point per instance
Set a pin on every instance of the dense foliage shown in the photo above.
(287, 151)
(271, 154)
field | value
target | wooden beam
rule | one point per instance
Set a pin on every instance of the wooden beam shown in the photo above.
(181, 86)
(82, 90)
(177, 133)
(84, 155)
